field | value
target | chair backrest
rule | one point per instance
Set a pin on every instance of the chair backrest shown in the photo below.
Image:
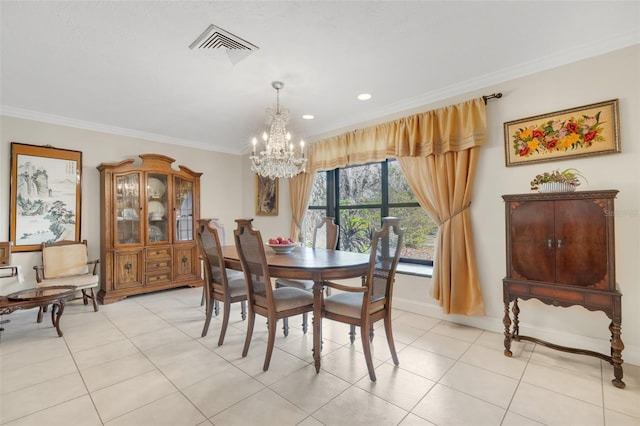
(385, 253)
(330, 232)
(254, 264)
(222, 235)
(64, 259)
(5, 252)
(208, 240)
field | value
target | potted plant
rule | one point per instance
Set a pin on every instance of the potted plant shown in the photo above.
(557, 181)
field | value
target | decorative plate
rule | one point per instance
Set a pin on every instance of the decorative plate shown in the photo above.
(155, 188)
(282, 248)
(156, 208)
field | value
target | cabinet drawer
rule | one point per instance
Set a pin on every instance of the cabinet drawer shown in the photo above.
(159, 278)
(158, 264)
(159, 253)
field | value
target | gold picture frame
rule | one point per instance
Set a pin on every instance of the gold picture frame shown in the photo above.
(575, 132)
(266, 196)
(45, 195)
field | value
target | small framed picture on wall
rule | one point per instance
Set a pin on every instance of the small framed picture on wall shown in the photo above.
(266, 196)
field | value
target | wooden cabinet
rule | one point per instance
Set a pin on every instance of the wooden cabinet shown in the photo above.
(147, 223)
(561, 251)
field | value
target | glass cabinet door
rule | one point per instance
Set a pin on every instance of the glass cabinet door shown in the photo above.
(128, 209)
(184, 209)
(157, 206)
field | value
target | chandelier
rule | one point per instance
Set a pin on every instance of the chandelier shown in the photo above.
(277, 157)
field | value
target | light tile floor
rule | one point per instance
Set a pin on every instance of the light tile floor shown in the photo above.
(141, 361)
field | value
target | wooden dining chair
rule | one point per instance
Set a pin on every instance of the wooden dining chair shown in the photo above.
(331, 241)
(220, 284)
(363, 306)
(262, 298)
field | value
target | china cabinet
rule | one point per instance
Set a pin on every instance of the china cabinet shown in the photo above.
(147, 220)
(560, 251)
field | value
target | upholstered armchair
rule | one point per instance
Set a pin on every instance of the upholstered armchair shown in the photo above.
(67, 263)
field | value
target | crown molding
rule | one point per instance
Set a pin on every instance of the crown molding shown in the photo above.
(105, 128)
(568, 56)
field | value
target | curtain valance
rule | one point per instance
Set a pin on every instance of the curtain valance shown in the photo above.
(452, 128)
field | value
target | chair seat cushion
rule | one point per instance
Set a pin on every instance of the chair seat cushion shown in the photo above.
(347, 304)
(286, 298)
(81, 281)
(301, 284)
(237, 286)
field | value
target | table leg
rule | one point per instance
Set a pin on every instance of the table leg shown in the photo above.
(55, 316)
(317, 323)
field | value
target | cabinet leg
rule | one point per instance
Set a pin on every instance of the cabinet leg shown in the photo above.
(516, 321)
(507, 330)
(616, 354)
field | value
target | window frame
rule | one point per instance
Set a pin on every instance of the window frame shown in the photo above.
(333, 207)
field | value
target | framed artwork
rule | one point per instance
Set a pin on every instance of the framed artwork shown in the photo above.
(266, 196)
(45, 195)
(576, 132)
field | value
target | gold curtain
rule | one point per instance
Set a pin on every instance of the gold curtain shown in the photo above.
(300, 187)
(438, 152)
(442, 184)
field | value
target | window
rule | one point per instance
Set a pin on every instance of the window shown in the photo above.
(358, 197)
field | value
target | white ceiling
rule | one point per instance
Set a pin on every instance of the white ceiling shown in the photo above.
(125, 66)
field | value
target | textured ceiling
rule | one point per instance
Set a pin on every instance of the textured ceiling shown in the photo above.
(126, 67)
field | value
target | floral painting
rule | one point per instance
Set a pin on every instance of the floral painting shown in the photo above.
(587, 130)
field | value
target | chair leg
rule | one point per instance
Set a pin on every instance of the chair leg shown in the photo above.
(392, 346)
(207, 317)
(247, 339)
(226, 311)
(243, 310)
(371, 333)
(366, 348)
(85, 300)
(305, 324)
(40, 314)
(202, 299)
(285, 326)
(352, 333)
(95, 302)
(271, 340)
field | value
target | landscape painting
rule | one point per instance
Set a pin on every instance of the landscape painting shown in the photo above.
(45, 195)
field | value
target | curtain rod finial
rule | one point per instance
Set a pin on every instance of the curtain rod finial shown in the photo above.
(491, 96)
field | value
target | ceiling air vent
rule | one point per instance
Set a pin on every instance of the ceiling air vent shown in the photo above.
(217, 38)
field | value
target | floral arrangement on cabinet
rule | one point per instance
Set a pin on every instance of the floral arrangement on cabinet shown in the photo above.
(557, 181)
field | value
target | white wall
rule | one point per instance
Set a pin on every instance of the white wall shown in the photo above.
(614, 75)
(221, 183)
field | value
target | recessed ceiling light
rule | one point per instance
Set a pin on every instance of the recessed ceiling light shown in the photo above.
(308, 117)
(364, 96)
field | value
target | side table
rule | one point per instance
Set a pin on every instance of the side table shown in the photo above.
(56, 296)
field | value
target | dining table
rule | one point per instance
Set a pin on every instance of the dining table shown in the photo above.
(316, 264)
